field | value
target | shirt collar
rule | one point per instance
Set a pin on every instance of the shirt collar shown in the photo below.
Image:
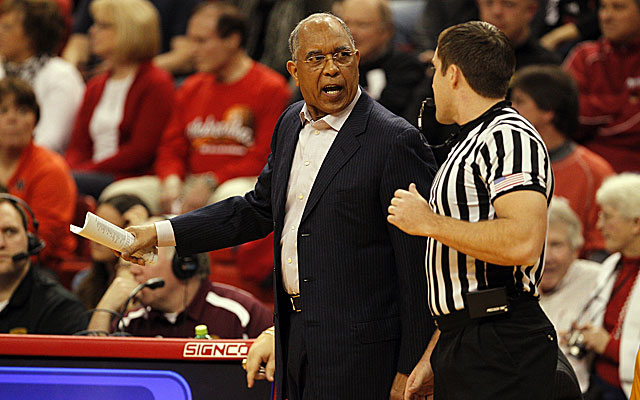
(486, 116)
(194, 310)
(333, 121)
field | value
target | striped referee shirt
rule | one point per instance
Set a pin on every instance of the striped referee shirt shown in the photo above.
(499, 152)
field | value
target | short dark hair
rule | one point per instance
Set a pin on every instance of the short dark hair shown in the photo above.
(42, 22)
(123, 202)
(552, 89)
(294, 42)
(482, 52)
(22, 93)
(21, 212)
(230, 20)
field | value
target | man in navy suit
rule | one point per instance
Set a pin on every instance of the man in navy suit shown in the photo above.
(351, 315)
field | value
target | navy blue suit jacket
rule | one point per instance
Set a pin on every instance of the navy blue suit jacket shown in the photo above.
(362, 281)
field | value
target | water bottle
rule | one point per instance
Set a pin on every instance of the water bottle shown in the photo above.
(202, 332)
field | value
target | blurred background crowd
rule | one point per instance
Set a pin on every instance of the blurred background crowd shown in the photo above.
(137, 109)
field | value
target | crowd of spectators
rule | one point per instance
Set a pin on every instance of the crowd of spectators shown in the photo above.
(156, 107)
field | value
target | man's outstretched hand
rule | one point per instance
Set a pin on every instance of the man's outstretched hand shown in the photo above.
(145, 240)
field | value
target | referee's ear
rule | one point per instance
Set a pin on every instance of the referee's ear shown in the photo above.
(454, 73)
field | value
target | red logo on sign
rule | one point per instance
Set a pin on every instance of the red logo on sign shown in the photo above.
(215, 350)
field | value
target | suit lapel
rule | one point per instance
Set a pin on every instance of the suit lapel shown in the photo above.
(291, 132)
(343, 148)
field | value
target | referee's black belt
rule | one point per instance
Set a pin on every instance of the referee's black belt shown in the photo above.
(461, 318)
(296, 302)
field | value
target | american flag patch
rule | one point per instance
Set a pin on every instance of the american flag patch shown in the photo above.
(507, 182)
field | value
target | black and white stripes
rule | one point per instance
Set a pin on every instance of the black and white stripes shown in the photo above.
(499, 152)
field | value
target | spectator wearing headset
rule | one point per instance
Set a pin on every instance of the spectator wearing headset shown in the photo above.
(187, 299)
(30, 302)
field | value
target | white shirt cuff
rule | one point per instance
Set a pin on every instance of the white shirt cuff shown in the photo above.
(164, 230)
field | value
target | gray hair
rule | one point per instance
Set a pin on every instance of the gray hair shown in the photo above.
(293, 37)
(560, 212)
(621, 192)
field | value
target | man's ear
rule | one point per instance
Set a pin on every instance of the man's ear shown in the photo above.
(548, 115)
(233, 41)
(636, 225)
(453, 74)
(292, 67)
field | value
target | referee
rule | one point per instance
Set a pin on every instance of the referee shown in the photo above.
(486, 223)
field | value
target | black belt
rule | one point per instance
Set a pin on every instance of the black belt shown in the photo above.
(296, 302)
(461, 318)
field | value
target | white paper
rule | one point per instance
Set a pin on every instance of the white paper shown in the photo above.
(112, 236)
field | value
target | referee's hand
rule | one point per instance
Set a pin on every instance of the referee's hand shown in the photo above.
(410, 212)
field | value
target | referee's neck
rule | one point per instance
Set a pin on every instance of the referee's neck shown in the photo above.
(474, 107)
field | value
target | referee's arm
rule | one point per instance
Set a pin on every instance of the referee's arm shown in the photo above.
(515, 237)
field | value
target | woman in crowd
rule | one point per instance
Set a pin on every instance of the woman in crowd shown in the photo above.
(31, 32)
(121, 210)
(37, 175)
(610, 326)
(125, 109)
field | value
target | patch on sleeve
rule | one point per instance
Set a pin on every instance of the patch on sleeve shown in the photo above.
(509, 181)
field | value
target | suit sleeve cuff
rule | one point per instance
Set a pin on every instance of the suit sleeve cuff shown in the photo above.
(164, 230)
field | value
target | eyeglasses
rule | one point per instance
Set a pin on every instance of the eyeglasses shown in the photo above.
(340, 58)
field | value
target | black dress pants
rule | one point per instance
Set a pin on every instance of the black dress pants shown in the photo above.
(511, 356)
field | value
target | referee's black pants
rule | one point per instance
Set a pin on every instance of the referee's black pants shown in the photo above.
(511, 356)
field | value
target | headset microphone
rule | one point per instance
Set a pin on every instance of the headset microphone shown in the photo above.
(34, 248)
(20, 257)
(152, 283)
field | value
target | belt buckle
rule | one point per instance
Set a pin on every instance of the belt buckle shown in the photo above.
(293, 304)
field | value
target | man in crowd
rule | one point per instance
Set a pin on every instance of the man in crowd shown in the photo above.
(186, 299)
(608, 76)
(567, 282)
(221, 125)
(483, 266)
(30, 301)
(350, 306)
(513, 17)
(548, 98)
(388, 75)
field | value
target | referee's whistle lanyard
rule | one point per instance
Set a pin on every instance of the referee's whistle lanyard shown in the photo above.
(487, 115)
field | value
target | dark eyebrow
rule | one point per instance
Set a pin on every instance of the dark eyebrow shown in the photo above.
(342, 48)
(312, 53)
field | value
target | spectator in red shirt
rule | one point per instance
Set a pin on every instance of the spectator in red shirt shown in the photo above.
(608, 328)
(124, 110)
(608, 76)
(35, 174)
(221, 126)
(548, 97)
